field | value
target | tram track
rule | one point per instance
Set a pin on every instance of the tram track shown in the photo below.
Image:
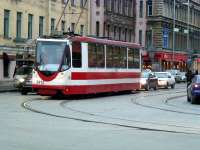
(134, 101)
(27, 105)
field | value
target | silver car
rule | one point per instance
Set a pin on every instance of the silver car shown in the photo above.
(165, 79)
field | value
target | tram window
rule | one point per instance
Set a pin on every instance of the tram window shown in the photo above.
(76, 55)
(116, 57)
(123, 57)
(109, 57)
(136, 58)
(133, 58)
(92, 55)
(100, 56)
(130, 58)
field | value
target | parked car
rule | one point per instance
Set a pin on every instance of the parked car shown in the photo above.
(23, 79)
(193, 90)
(165, 79)
(176, 73)
(148, 80)
(183, 77)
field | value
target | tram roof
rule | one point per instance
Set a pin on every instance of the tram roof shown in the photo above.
(103, 41)
(88, 39)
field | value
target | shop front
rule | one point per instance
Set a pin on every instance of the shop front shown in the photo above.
(168, 61)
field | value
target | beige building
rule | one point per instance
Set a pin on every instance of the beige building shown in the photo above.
(26, 20)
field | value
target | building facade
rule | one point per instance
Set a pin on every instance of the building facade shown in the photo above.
(170, 48)
(140, 30)
(25, 20)
(120, 19)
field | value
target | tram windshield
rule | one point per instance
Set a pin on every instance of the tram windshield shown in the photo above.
(52, 56)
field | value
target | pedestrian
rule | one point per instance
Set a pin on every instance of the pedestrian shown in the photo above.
(189, 75)
(196, 72)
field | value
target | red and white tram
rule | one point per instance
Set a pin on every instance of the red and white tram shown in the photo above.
(85, 65)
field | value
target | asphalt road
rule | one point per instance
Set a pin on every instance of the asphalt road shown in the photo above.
(151, 120)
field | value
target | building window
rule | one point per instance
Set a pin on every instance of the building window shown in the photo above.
(19, 25)
(149, 39)
(63, 26)
(82, 29)
(125, 34)
(141, 9)
(149, 8)
(73, 27)
(97, 28)
(130, 8)
(130, 35)
(41, 25)
(81, 3)
(52, 25)
(115, 31)
(140, 37)
(119, 33)
(108, 30)
(72, 3)
(6, 23)
(30, 26)
(98, 3)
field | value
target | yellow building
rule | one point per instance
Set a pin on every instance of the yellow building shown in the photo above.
(26, 20)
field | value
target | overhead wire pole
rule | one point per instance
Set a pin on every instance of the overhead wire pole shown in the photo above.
(62, 14)
(80, 15)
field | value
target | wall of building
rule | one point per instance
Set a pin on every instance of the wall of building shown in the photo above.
(140, 23)
(96, 14)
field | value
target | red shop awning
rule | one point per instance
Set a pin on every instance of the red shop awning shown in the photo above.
(169, 56)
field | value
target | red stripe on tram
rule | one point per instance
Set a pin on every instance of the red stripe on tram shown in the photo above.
(103, 75)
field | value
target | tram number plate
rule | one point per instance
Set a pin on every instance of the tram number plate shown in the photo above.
(40, 82)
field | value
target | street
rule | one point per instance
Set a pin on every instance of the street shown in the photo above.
(160, 119)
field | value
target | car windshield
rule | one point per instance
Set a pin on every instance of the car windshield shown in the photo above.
(198, 79)
(174, 72)
(161, 75)
(23, 70)
(50, 55)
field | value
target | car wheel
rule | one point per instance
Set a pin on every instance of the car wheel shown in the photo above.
(173, 86)
(167, 86)
(193, 100)
(24, 92)
(156, 87)
(147, 87)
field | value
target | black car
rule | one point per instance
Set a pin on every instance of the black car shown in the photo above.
(148, 80)
(193, 90)
(23, 79)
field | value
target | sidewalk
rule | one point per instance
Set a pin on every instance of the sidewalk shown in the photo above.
(7, 86)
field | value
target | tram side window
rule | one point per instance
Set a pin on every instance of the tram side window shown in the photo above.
(92, 55)
(76, 55)
(96, 58)
(109, 56)
(136, 58)
(133, 58)
(116, 57)
(123, 57)
(100, 56)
